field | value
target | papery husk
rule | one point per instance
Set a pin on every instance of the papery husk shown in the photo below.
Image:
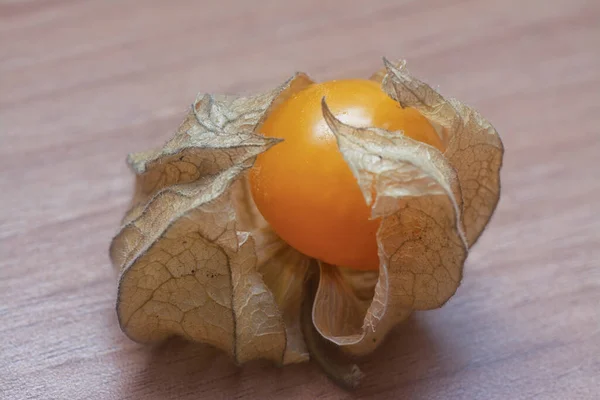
(433, 206)
(283, 269)
(188, 258)
(473, 146)
(196, 258)
(421, 245)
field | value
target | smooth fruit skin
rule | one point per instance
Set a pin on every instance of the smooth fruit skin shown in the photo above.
(305, 189)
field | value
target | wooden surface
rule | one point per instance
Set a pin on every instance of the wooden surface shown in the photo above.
(82, 83)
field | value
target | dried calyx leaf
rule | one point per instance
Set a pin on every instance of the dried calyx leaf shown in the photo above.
(326, 354)
(186, 267)
(283, 269)
(421, 245)
(432, 205)
(474, 148)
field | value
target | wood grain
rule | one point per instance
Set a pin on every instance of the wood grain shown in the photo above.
(82, 83)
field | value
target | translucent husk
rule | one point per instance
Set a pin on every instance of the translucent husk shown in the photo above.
(196, 258)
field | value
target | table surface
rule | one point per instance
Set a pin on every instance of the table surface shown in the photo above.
(85, 82)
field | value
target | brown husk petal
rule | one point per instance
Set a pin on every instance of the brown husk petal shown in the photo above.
(283, 269)
(421, 244)
(473, 146)
(187, 264)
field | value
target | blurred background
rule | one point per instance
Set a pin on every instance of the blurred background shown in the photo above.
(83, 83)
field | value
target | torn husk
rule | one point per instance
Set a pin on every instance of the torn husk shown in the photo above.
(196, 259)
